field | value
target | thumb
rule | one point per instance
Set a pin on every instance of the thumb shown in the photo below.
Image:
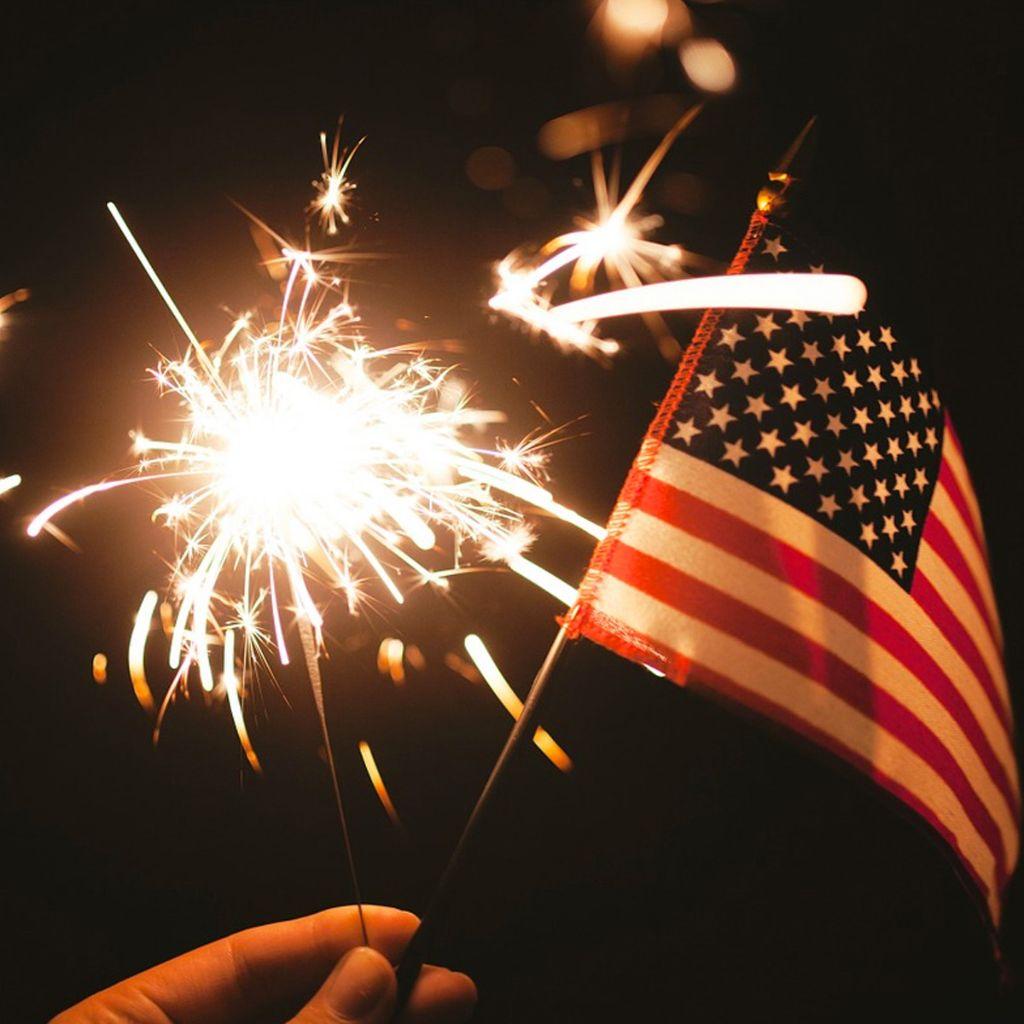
(360, 990)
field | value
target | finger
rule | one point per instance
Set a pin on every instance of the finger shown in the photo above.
(440, 997)
(360, 990)
(259, 970)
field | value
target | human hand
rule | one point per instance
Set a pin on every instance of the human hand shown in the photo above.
(309, 971)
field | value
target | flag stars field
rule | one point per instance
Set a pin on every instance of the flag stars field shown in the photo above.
(814, 407)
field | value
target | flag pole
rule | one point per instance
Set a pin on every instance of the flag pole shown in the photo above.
(520, 736)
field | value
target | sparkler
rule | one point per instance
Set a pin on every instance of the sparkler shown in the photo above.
(645, 272)
(613, 238)
(334, 188)
(308, 456)
(310, 462)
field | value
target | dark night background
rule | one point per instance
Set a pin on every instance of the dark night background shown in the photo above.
(696, 865)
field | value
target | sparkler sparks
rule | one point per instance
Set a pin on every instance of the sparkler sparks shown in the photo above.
(308, 459)
(370, 763)
(645, 274)
(494, 678)
(310, 464)
(334, 188)
(614, 237)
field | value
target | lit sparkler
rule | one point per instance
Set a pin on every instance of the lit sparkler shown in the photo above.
(309, 461)
(334, 188)
(495, 679)
(308, 456)
(614, 237)
(647, 276)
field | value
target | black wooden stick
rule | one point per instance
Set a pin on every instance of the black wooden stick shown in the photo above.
(521, 735)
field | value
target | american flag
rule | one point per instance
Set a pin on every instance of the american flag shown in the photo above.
(799, 534)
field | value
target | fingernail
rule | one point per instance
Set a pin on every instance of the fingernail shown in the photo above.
(359, 984)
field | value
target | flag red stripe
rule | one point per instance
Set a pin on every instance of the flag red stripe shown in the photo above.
(789, 647)
(939, 537)
(775, 556)
(953, 455)
(948, 479)
(934, 605)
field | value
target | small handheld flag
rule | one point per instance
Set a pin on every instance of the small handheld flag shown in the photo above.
(799, 534)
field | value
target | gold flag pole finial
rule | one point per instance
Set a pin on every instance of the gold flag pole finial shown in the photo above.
(772, 195)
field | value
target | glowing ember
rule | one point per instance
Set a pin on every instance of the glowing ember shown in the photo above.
(391, 659)
(488, 668)
(137, 649)
(334, 188)
(378, 783)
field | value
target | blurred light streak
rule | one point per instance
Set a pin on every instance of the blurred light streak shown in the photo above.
(488, 668)
(463, 668)
(373, 771)
(838, 294)
(99, 668)
(61, 537)
(137, 649)
(391, 659)
(605, 124)
(13, 298)
(233, 688)
(708, 65)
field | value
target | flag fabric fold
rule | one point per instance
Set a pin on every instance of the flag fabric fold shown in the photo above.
(799, 534)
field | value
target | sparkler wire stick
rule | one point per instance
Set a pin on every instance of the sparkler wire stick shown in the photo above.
(519, 738)
(309, 649)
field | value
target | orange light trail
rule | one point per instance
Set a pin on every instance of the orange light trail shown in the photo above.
(137, 650)
(378, 783)
(499, 685)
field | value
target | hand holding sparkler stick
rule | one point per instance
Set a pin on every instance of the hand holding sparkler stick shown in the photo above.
(265, 973)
